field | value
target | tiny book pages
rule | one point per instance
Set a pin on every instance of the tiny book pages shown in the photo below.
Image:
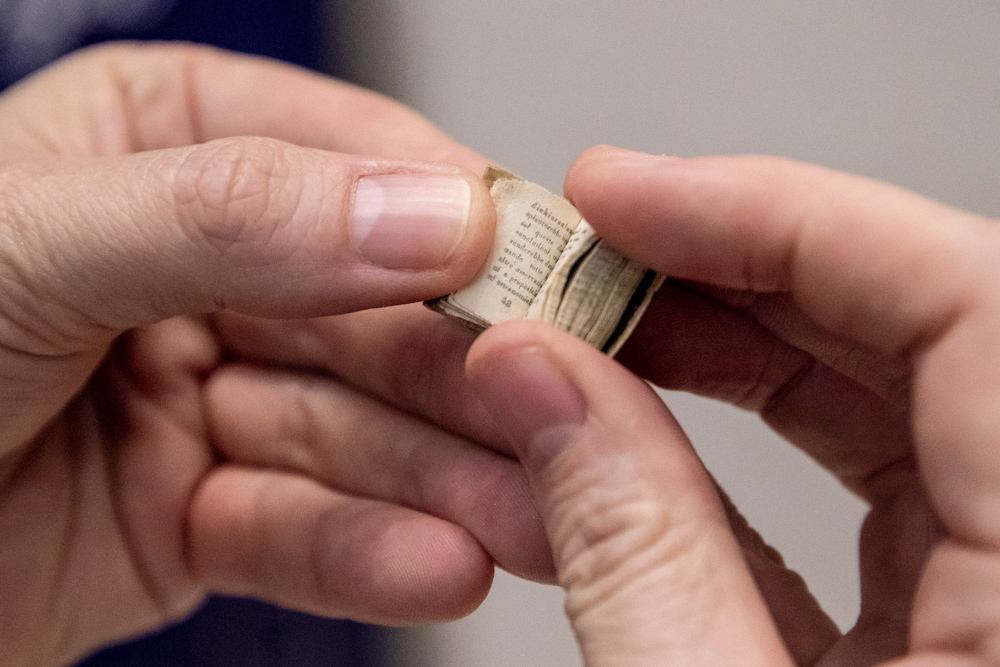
(548, 264)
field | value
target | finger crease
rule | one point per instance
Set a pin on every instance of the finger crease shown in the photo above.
(773, 398)
(192, 97)
(887, 479)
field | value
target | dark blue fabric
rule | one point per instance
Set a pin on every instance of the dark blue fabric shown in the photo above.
(290, 30)
(232, 632)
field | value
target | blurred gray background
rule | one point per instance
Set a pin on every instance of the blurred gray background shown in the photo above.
(905, 91)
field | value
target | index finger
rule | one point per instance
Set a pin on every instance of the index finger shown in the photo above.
(869, 261)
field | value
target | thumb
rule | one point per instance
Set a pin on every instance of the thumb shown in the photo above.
(254, 225)
(642, 546)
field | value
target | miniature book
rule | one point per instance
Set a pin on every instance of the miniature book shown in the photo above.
(548, 264)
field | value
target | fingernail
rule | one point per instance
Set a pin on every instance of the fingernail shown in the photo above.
(409, 221)
(535, 402)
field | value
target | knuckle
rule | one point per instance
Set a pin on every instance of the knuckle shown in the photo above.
(782, 372)
(234, 195)
(420, 358)
(306, 441)
(610, 543)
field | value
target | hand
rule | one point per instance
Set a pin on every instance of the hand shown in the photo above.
(861, 321)
(127, 493)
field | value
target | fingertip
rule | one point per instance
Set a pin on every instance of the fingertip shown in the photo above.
(501, 339)
(599, 164)
(605, 152)
(531, 395)
(588, 167)
(602, 152)
(424, 570)
(492, 358)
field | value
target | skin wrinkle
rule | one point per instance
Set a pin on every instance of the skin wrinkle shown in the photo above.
(128, 125)
(416, 452)
(923, 342)
(432, 352)
(485, 494)
(932, 333)
(782, 275)
(889, 571)
(318, 570)
(244, 176)
(68, 535)
(411, 490)
(23, 278)
(869, 484)
(30, 455)
(773, 404)
(773, 401)
(233, 185)
(36, 133)
(490, 495)
(793, 266)
(746, 534)
(304, 444)
(183, 94)
(682, 559)
(602, 520)
(758, 398)
(311, 351)
(78, 329)
(889, 479)
(245, 575)
(378, 543)
(62, 368)
(114, 380)
(421, 354)
(329, 587)
(618, 549)
(51, 354)
(301, 425)
(186, 546)
(191, 66)
(13, 465)
(113, 432)
(921, 442)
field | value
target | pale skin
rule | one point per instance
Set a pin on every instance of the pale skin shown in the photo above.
(857, 318)
(131, 200)
(233, 453)
(861, 321)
